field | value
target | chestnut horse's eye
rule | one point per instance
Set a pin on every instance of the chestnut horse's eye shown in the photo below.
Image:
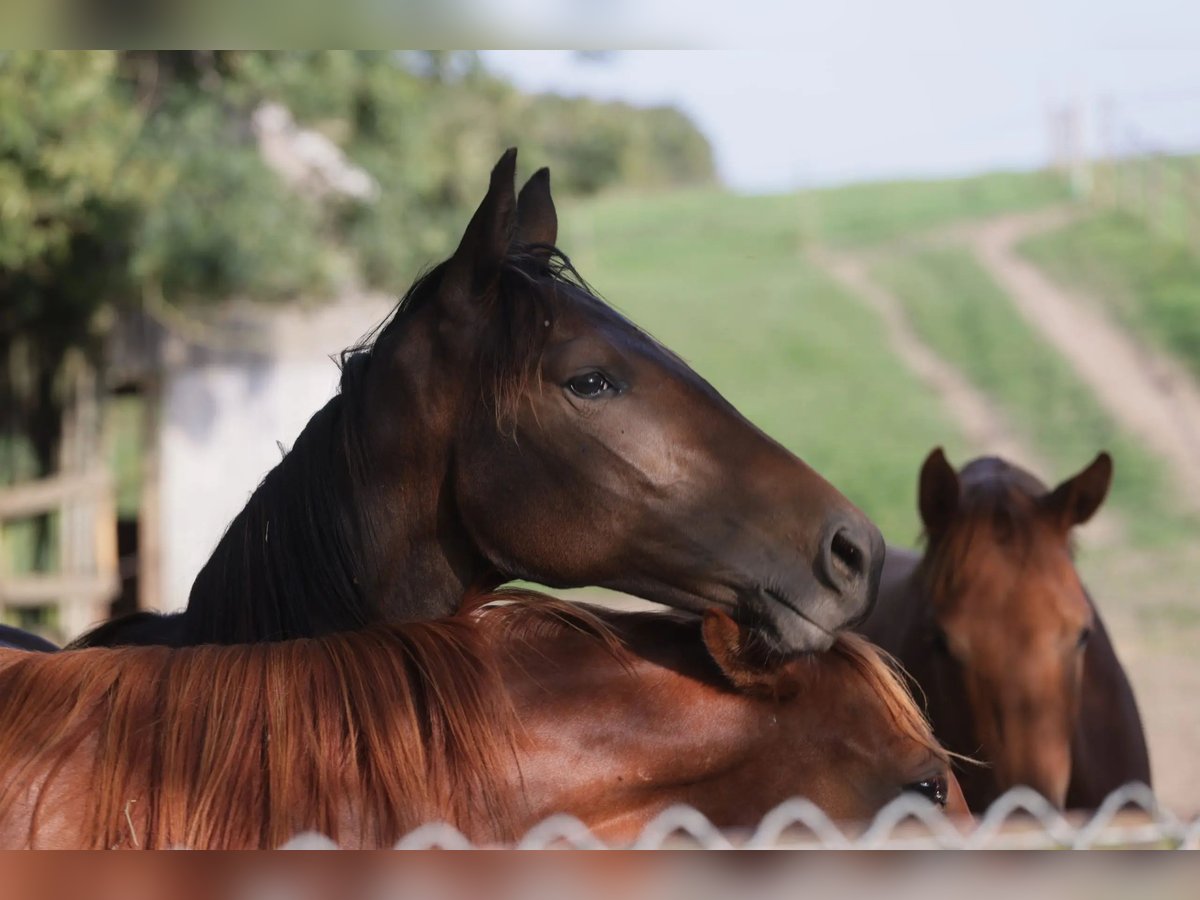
(589, 386)
(934, 790)
(1084, 636)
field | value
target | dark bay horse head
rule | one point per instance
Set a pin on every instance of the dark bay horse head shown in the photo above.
(490, 720)
(1009, 621)
(574, 449)
(18, 639)
(507, 423)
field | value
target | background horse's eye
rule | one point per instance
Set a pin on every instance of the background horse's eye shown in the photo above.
(934, 790)
(593, 384)
(1084, 637)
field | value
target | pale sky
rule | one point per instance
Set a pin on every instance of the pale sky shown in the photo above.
(919, 87)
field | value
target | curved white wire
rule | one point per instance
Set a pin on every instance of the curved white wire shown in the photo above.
(560, 829)
(797, 812)
(1045, 827)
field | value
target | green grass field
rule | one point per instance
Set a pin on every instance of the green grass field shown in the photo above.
(864, 214)
(965, 317)
(1151, 283)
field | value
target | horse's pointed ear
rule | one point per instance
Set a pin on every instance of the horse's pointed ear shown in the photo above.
(938, 493)
(1076, 500)
(537, 220)
(476, 264)
(743, 661)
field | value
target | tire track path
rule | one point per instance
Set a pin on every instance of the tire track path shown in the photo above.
(982, 423)
(1150, 395)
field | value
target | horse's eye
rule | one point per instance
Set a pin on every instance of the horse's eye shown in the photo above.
(934, 790)
(1084, 636)
(589, 386)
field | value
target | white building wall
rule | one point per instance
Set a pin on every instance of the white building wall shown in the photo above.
(221, 421)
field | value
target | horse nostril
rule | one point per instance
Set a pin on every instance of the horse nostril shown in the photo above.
(849, 554)
(850, 561)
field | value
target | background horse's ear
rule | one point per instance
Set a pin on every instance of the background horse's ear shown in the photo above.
(938, 492)
(537, 220)
(744, 662)
(1076, 500)
(476, 264)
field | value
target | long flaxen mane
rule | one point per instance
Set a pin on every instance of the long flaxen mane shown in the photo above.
(361, 736)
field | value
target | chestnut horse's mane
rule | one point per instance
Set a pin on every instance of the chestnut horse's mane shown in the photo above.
(245, 745)
(883, 675)
(363, 734)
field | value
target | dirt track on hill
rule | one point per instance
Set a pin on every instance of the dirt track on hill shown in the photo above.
(1150, 395)
(981, 422)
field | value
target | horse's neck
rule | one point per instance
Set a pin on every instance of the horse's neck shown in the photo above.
(898, 603)
(326, 543)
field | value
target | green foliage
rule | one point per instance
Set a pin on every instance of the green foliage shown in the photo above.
(969, 321)
(222, 223)
(134, 174)
(1151, 283)
(149, 155)
(428, 139)
(64, 136)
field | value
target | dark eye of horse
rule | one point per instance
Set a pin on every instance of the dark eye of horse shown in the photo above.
(934, 790)
(589, 386)
(1084, 637)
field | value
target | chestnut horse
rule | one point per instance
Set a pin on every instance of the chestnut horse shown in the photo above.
(490, 720)
(995, 626)
(507, 424)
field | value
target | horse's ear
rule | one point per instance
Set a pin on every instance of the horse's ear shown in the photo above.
(537, 220)
(476, 264)
(938, 492)
(743, 661)
(1076, 500)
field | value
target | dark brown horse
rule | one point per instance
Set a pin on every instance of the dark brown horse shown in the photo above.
(505, 423)
(995, 626)
(18, 639)
(490, 720)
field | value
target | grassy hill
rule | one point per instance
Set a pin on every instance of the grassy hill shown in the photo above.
(966, 318)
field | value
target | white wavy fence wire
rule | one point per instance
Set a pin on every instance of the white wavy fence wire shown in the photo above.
(1021, 819)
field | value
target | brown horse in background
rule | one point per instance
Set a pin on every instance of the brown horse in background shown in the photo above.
(490, 720)
(507, 424)
(995, 626)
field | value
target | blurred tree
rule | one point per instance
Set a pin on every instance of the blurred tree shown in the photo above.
(136, 173)
(67, 202)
